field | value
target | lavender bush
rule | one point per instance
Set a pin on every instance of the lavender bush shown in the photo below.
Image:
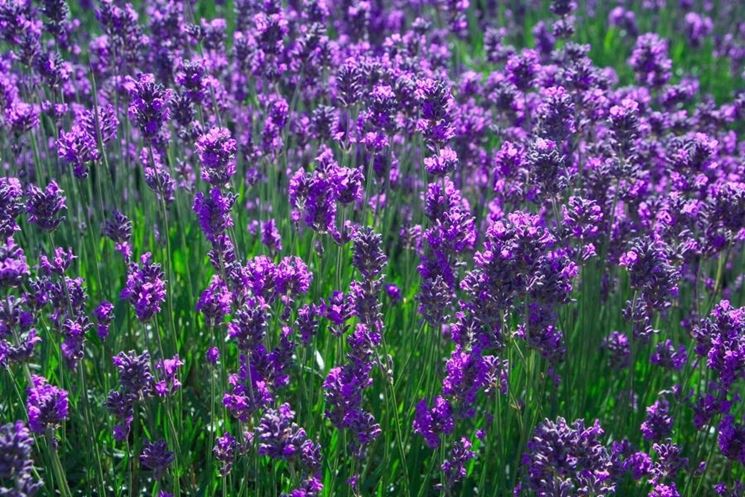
(372, 248)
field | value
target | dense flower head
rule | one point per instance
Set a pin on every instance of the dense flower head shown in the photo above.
(156, 457)
(555, 114)
(666, 354)
(168, 382)
(13, 265)
(145, 287)
(46, 208)
(619, 349)
(732, 439)
(659, 423)
(522, 68)
(425, 225)
(697, 28)
(135, 376)
(663, 490)
(314, 195)
(443, 163)
(454, 467)
(215, 301)
(432, 423)
(77, 148)
(280, 437)
(216, 149)
(652, 271)
(149, 105)
(213, 212)
(118, 228)
(190, 76)
(369, 258)
(17, 474)
(624, 121)
(225, 450)
(47, 405)
(650, 60)
(104, 314)
(249, 324)
(568, 457)
(720, 338)
(11, 205)
(101, 122)
(270, 235)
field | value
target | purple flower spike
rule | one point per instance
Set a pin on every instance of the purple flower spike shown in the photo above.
(156, 457)
(46, 208)
(145, 288)
(216, 151)
(47, 405)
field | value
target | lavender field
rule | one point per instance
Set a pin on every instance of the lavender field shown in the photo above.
(378, 248)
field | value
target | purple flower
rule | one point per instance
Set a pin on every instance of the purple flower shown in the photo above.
(149, 105)
(16, 464)
(369, 258)
(18, 338)
(249, 325)
(719, 338)
(732, 439)
(190, 75)
(160, 181)
(270, 236)
(118, 228)
(668, 356)
(443, 163)
(22, 117)
(454, 466)
(105, 122)
(212, 355)
(11, 205)
(432, 423)
(310, 487)
(393, 292)
(569, 457)
(156, 457)
(213, 212)
(104, 314)
(280, 437)
(307, 322)
(522, 68)
(658, 424)
(652, 271)
(623, 19)
(47, 405)
(13, 266)
(168, 382)
(58, 264)
(468, 373)
(663, 490)
(77, 148)
(225, 450)
(650, 60)
(293, 277)
(556, 114)
(697, 28)
(145, 288)
(46, 208)
(215, 301)
(639, 464)
(624, 122)
(617, 345)
(216, 151)
(135, 376)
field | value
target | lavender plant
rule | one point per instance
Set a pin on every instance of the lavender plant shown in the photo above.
(318, 248)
